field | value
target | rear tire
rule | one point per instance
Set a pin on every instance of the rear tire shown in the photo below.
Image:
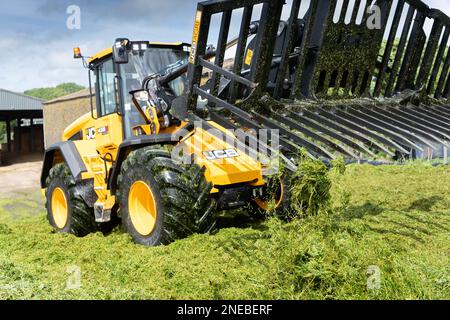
(67, 212)
(180, 203)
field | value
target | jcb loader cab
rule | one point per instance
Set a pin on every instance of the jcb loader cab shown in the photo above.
(141, 157)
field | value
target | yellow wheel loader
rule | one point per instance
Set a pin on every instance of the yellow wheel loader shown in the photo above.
(133, 157)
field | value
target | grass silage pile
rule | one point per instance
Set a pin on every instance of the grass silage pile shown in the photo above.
(383, 234)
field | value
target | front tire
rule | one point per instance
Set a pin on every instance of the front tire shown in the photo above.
(67, 212)
(162, 201)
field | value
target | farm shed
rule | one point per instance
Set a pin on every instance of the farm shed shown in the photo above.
(61, 112)
(23, 118)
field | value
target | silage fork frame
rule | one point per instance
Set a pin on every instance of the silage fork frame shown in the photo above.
(346, 89)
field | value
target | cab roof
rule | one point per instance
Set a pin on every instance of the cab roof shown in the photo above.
(108, 51)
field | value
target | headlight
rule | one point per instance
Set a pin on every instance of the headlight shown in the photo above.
(141, 96)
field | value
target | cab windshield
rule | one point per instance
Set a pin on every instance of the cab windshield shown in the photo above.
(153, 61)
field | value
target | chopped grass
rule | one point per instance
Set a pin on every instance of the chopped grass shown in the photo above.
(396, 221)
(311, 186)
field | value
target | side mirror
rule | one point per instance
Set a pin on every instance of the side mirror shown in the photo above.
(120, 50)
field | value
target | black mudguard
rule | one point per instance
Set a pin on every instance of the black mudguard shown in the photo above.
(71, 157)
(135, 143)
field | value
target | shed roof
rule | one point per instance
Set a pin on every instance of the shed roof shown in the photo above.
(84, 93)
(13, 101)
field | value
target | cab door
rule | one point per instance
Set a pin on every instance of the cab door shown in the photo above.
(107, 134)
(108, 125)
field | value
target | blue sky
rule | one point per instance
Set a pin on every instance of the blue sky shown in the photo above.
(36, 45)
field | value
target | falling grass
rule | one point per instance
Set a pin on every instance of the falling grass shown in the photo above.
(310, 186)
(395, 218)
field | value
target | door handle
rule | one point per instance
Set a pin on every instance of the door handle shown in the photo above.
(116, 91)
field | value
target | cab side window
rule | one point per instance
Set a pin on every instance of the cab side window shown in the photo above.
(107, 98)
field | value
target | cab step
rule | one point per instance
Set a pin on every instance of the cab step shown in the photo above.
(101, 215)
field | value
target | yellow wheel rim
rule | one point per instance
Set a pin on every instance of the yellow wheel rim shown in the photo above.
(59, 208)
(263, 204)
(142, 208)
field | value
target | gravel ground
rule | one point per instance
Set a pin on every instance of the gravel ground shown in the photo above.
(21, 179)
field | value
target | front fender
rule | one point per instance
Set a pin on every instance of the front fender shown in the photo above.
(71, 157)
(135, 143)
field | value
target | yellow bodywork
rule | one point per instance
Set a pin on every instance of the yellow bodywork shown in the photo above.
(101, 55)
(222, 172)
(101, 140)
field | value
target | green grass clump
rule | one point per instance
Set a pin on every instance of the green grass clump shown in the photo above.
(396, 221)
(310, 186)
